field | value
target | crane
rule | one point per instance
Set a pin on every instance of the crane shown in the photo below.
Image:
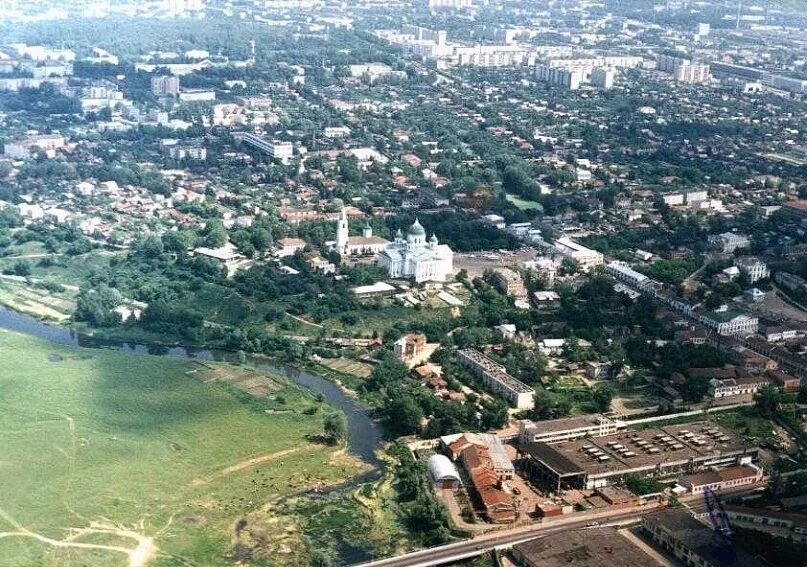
(722, 542)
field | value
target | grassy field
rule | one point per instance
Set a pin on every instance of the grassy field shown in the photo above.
(62, 269)
(37, 302)
(523, 204)
(109, 459)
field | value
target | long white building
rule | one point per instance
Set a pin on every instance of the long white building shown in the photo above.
(277, 149)
(730, 323)
(496, 378)
(586, 257)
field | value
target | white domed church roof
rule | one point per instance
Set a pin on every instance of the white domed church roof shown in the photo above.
(416, 229)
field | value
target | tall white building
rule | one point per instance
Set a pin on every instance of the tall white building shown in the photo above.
(603, 78)
(415, 257)
(569, 78)
(684, 70)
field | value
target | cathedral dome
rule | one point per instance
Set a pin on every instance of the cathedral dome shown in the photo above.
(416, 229)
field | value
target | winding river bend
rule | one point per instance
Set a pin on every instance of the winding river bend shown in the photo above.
(364, 435)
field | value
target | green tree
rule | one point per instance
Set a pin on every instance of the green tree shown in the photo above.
(402, 414)
(336, 427)
(95, 306)
(216, 234)
(22, 268)
(768, 399)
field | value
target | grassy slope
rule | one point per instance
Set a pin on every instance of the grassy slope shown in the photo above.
(148, 449)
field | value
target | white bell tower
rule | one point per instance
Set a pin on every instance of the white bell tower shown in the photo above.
(342, 234)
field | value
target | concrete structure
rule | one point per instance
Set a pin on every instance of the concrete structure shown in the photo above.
(790, 281)
(166, 85)
(509, 282)
(495, 378)
(597, 547)
(546, 300)
(774, 522)
(455, 4)
(416, 258)
(691, 541)
(684, 70)
(623, 272)
(374, 71)
(277, 149)
(662, 452)
(289, 246)
(568, 78)
(586, 257)
(603, 78)
(27, 147)
(197, 95)
(374, 290)
(567, 428)
(730, 477)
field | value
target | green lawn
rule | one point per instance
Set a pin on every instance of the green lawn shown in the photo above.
(523, 204)
(105, 448)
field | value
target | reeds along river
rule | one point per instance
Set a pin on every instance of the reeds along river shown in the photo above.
(364, 435)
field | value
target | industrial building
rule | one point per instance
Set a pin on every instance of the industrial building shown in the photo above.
(567, 428)
(679, 533)
(495, 378)
(659, 452)
(716, 481)
(582, 548)
(444, 473)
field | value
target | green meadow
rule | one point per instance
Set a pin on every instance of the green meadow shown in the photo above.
(113, 459)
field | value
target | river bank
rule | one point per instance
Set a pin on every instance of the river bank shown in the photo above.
(364, 435)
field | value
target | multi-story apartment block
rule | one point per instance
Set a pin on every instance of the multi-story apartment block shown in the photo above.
(166, 85)
(496, 378)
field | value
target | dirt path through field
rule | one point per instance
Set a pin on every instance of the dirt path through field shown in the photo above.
(247, 464)
(139, 556)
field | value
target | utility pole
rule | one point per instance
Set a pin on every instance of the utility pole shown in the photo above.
(739, 12)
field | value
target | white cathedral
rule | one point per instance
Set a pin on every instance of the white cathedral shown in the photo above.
(416, 258)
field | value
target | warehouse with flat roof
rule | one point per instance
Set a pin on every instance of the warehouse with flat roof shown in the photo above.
(661, 452)
(583, 548)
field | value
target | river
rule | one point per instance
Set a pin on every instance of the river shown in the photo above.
(364, 435)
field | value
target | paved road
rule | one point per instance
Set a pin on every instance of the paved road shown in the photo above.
(481, 544)
(504, 539)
